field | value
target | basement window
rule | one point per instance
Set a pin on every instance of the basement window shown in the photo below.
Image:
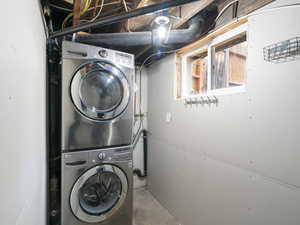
(216, 68)
(229, 64)
(198, 71)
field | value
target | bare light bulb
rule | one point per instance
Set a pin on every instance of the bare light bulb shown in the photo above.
(162, 32)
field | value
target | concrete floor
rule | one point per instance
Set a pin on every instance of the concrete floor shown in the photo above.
(148, 211)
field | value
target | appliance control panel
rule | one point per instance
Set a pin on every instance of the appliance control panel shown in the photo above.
(124, 59)
(110, 156)
(73, 50)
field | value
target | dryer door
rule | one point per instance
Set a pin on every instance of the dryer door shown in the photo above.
(98, 193)
(100, 90)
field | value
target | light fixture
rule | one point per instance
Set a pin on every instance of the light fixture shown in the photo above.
(162, 26)
(162, 32)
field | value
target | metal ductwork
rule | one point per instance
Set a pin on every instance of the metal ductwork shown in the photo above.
(133, 39)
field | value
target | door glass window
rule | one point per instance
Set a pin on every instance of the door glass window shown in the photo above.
(101, 91)
(100, 193)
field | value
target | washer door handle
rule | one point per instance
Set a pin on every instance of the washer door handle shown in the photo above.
(76, 163)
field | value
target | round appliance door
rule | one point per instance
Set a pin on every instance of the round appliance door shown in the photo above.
(100, 90)
(98, 193)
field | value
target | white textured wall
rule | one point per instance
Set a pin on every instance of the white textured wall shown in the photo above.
(237, 163)
(22, 114)
(138, 151)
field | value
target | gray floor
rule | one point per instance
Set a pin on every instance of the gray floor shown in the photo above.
(148, 211)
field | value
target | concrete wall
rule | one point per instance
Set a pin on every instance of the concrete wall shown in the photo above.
(237, 163)
(22, 114)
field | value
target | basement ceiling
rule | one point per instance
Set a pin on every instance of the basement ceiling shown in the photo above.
(102, 8)
(65, 13)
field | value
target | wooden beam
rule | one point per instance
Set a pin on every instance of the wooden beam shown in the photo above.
(142, 3)
(76, 12)
(190, 10)
(244, 7)
(258, 5)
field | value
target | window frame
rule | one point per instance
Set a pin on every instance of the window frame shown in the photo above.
(209, 47)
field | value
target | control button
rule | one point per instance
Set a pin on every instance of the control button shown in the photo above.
(103, 53)
(101, 155)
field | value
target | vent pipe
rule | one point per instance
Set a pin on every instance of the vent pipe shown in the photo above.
(132, 39)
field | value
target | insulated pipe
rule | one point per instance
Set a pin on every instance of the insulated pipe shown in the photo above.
(144, 38)
(138, 172)
(121, 17)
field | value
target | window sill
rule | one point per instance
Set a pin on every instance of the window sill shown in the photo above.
(217, 92)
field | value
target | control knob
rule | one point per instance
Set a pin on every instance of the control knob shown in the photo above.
(102, 156)
(103, 53)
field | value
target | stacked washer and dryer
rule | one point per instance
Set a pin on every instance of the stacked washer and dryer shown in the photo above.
(96, 135)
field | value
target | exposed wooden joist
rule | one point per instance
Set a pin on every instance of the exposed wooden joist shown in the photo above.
(190, 10)
(76, 12)
(142, 3)
(259, 4)
(186, 11)
(244, 7)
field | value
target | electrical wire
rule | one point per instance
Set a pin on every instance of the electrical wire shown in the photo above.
(259, 11)
(155, 54)
(99, 12)
(224, 9)
(95, 7)
(106, 4)
(87, 4)
(140, 89)
(125, 5)
(221, 13)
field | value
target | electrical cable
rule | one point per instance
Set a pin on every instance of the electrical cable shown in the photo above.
(140, 128)
(95, 8)
(87, 4)
(99, 12)
(259, 11)
(140, 88)
(154, 54)
(140, 105)
(106, 4)
(221, 13)
(125, 5)
(224, 9)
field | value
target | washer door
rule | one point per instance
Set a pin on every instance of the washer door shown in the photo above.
(98, 193)
(100, 90)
